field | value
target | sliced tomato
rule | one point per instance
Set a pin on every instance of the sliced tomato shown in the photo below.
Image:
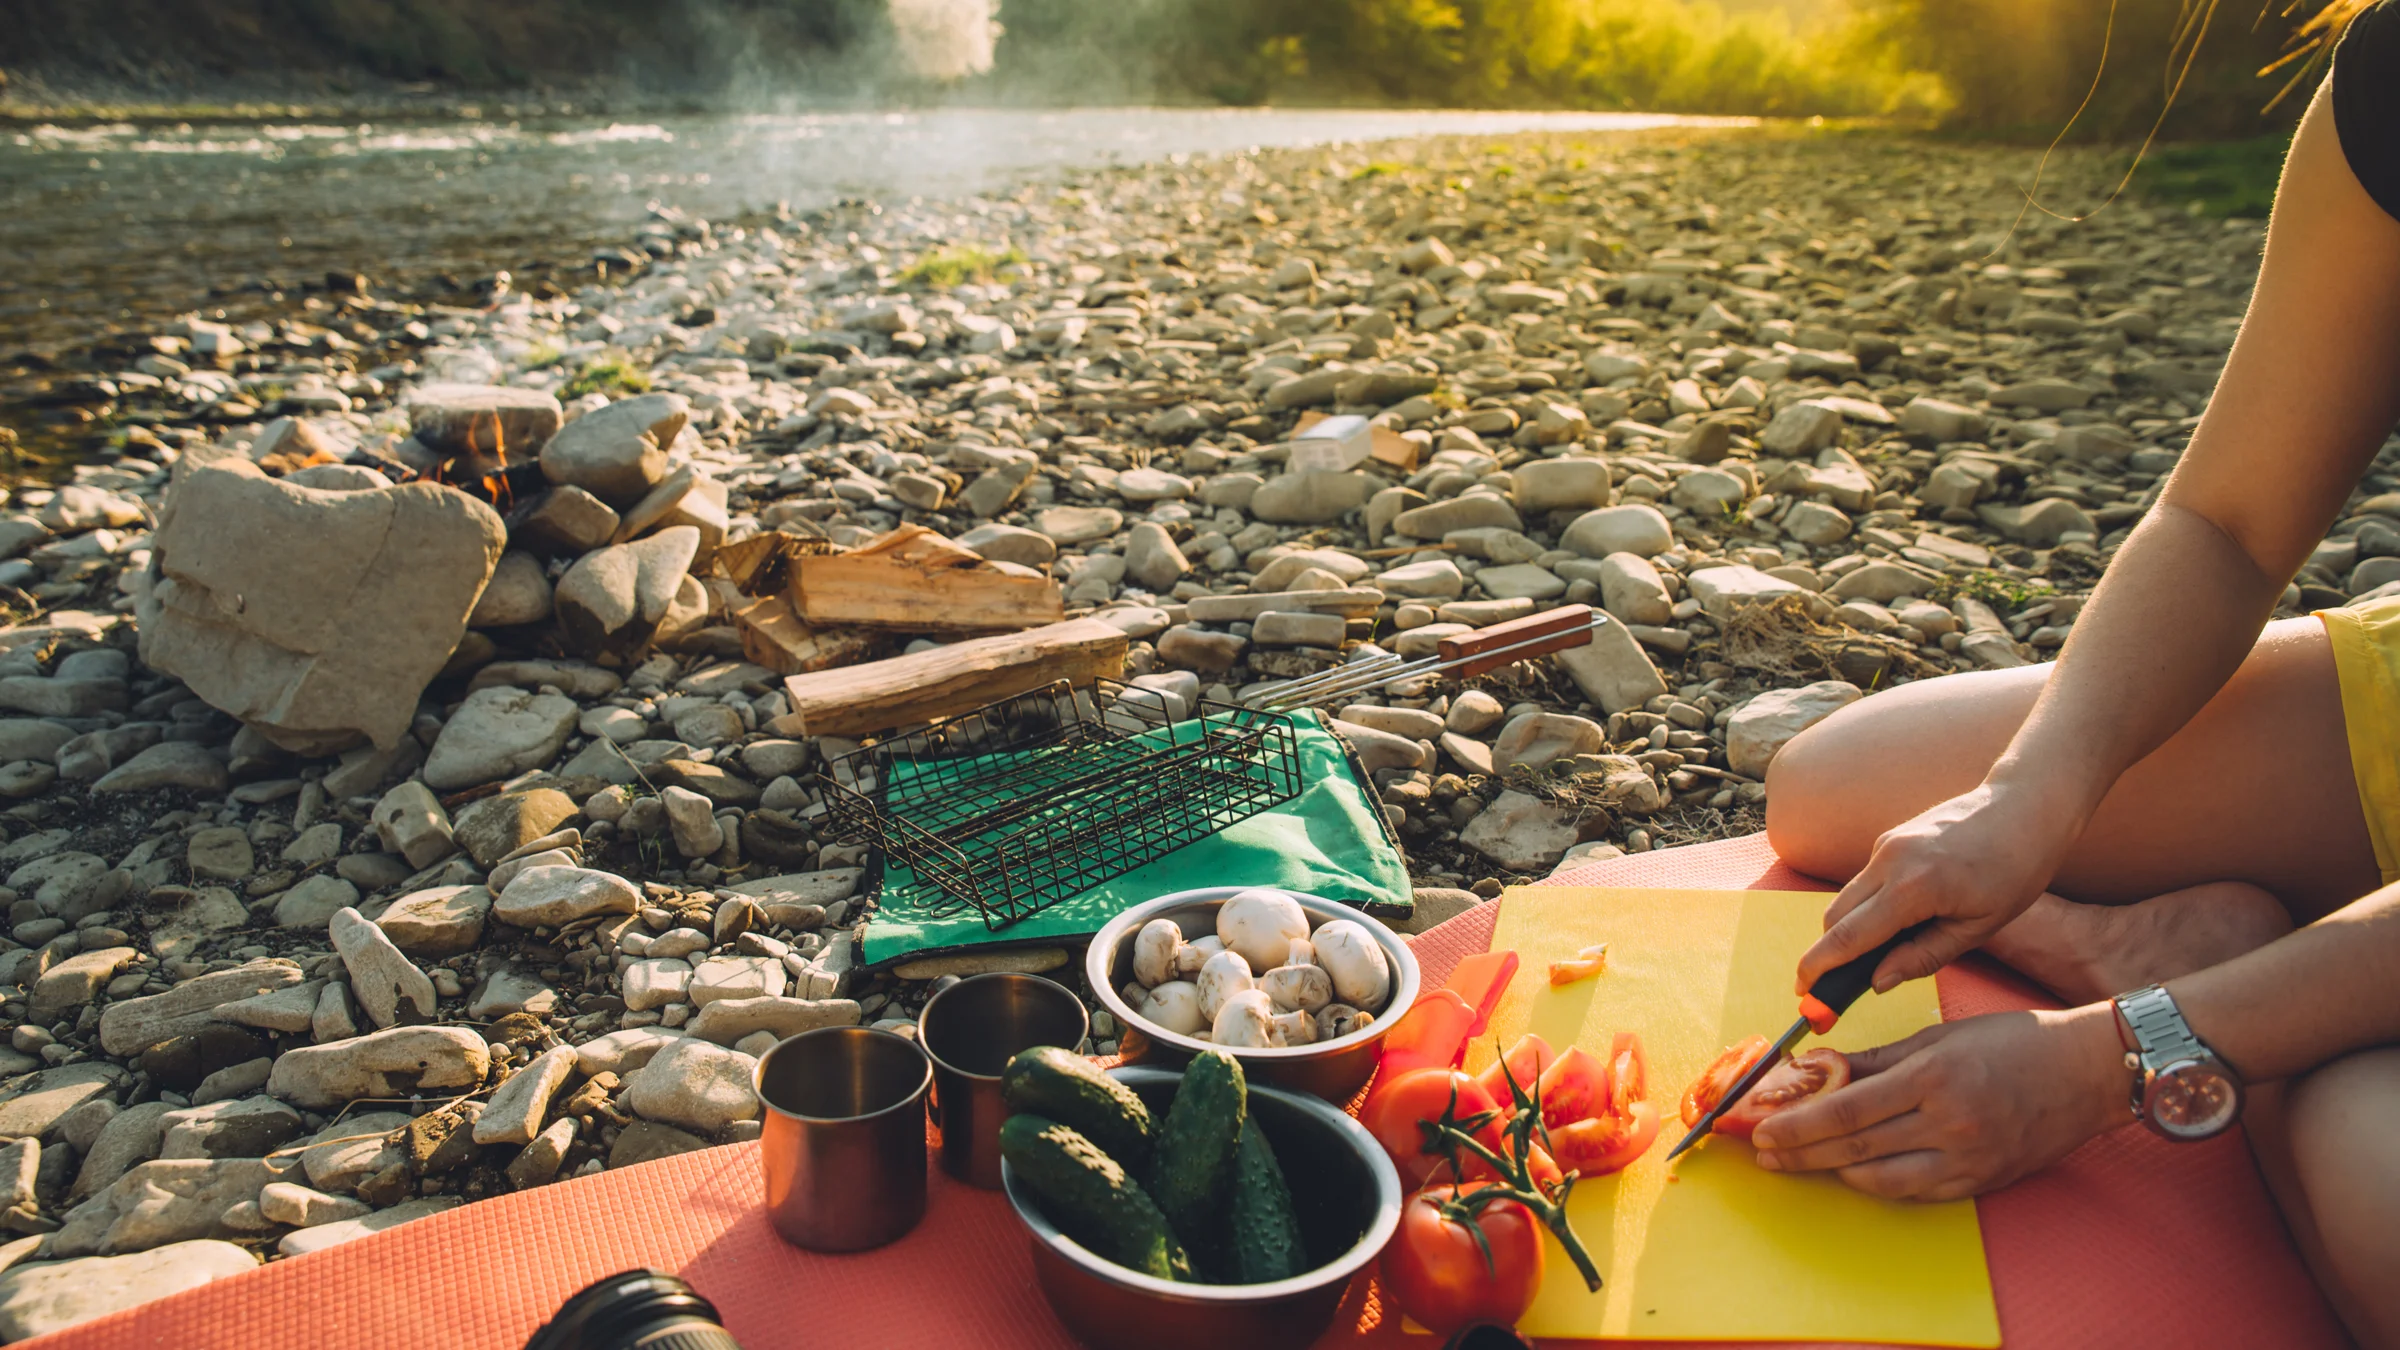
(1628, 1071)
(1714, 1081)
(1431, 1035)
(1393, 1113)
(1811, 1073)
(1573, 1088)
(1607, 1143)
(1525, 1062)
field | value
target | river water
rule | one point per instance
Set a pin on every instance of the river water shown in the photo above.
(101, 226)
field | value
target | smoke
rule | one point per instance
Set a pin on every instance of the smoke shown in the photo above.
(945, 39)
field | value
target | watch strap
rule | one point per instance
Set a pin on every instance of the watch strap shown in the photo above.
(2160, 1035)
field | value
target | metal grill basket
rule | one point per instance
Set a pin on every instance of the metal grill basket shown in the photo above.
(1016, 806)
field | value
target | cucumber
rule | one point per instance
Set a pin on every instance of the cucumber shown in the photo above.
(1090, 1197)
(1263, 1235)
(1071, 1090)
(1191, 1165)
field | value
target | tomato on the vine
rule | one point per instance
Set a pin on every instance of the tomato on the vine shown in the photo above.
(1811, 1073)
(1441, 1276)
(1719, 1077)
(1393, 1113)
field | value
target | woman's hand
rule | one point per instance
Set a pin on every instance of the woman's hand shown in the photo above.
(1969, 864)
(1961, 1108)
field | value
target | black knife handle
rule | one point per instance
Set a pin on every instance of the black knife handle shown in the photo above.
(1838, 988)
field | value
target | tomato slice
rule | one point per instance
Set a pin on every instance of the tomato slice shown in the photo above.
(1608, 1143)
(1574, 1087)
(1525, 1062)
(1628, 1071)
(1811, 1073)
(1710, 1087)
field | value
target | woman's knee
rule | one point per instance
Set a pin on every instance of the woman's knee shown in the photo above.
(1809, 823)
(2347, 1157)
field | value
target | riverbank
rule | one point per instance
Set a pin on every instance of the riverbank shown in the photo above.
(1809, 415)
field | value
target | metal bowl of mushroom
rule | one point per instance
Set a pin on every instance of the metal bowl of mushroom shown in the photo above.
(1298, 988)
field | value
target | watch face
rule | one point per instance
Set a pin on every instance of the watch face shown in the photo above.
(2193, 1100)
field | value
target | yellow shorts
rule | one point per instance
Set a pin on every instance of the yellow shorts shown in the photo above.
(2366, 659)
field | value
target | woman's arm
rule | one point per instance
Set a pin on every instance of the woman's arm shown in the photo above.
(1967, 1106)
(2308, 394)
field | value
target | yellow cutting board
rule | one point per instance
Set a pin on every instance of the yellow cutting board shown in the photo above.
(1729, 1251)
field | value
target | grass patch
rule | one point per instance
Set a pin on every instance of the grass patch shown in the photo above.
(611, 375)
(1381, 168)
(542, 356)
(944, 268)
(2004, 593)
(2229, 178)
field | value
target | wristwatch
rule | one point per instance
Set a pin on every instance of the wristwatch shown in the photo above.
(2181, 1090)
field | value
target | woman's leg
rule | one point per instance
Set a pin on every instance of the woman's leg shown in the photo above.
(2327, 1147)
(2256, 788)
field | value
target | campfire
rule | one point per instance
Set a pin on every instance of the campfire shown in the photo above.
(485, 471)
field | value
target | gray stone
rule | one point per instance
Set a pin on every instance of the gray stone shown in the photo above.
(58, 697)
(314, 902)
(2049, 396)
(518, 593)
(619, 595)
(1632, 590)
(392, 1063)
(245, 1127)
(1801, 429)
(1434, 579)
(442, 921)
(1816, 524)
(488, 419)
(621, 1052)
(1412, 724)
(497, 827)
(169, 764)
(694, 1084)
(1935, 420)
(379, 975)
(1472, 713)
(553, 896)
(1533, 740)
(1709, 493)
(518, 1107)
(1631, 528)
(1197, 649)
(1612, 670)
(326, 1235)
(1152, 561)
(156, 1203)
(130, 1026)
(498, 734)
(1722, 590)
(40, 1297)
(1880, 582)
(2040, 524)
(1276, 629)
(297, 1206)
(1310, 497)
(354, 1148)
(1521, 833)
(1562, 484)
(1437, 905)
(76, 981)
(1473, 511)
(619, 452)
(1078, 524)
(727, 1020)
(1010, 543)
(289, 1010)
(1761, 727)
(411, 822)
(315, 617)
(1379, 750)
(131, 1136)
(564, 520)
(1521, 581)
(32, 738)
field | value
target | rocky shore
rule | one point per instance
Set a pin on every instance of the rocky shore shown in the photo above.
(407, 804)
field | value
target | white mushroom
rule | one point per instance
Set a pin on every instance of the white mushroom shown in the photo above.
(1225, 975)
(1294, 1028)
(1194, 954)
(1362, 974)
(1260, 924)
(1303, 953)
(1298, 988)
(1340, 1019)
(1247, 1019)
(1174, 1006)
(1154, 951)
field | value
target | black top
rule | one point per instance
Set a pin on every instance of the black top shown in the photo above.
(2366, 102)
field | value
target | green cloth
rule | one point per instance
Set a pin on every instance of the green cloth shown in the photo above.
(1331, 841)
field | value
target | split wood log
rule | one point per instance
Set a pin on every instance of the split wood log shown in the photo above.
(945, 681)
(913, 580)
(773, 636)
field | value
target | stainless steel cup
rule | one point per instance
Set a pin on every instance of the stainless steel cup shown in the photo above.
(970, 1030)
(843, 1145)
